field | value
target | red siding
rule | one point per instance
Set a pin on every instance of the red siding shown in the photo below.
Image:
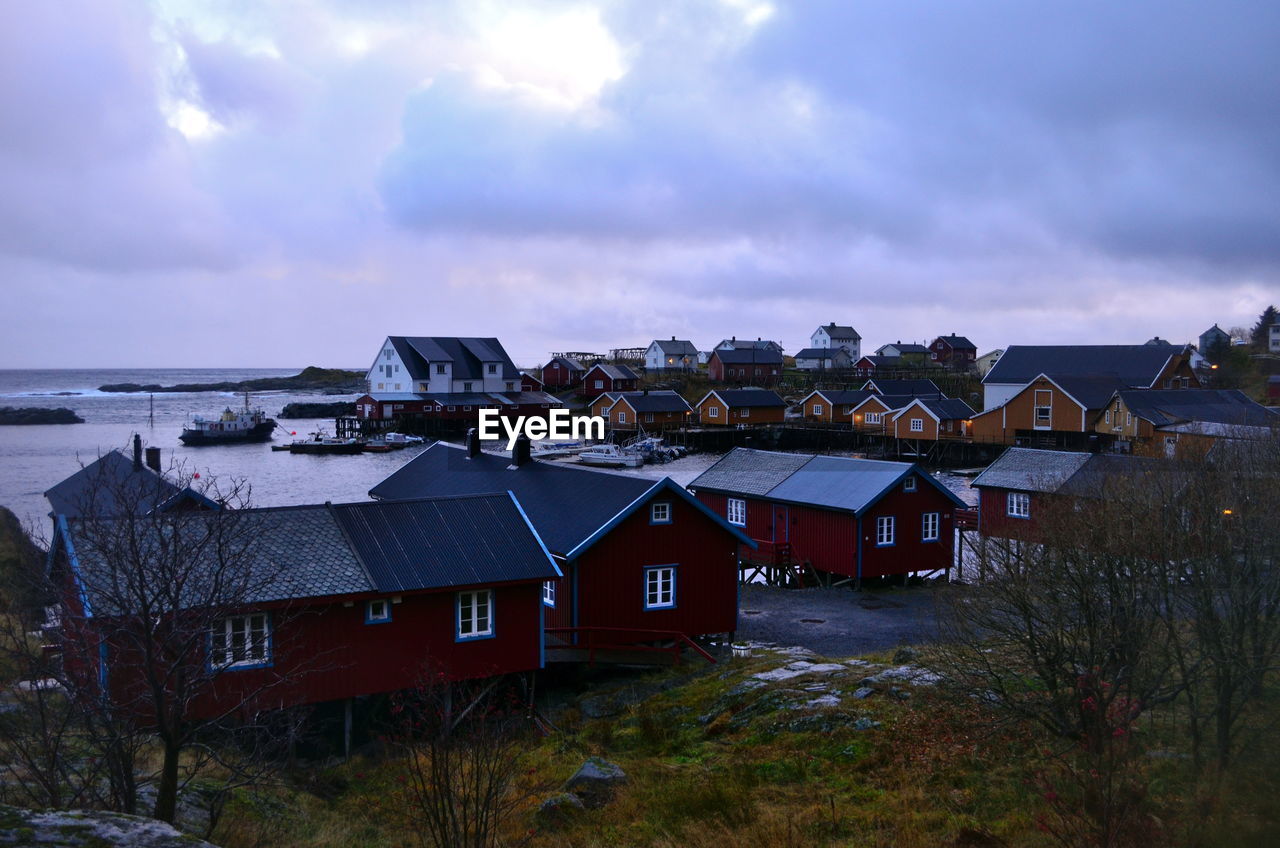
(994, 519)
(611, 577)
(909, 553)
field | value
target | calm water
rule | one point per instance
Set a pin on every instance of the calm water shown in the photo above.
(34, 458)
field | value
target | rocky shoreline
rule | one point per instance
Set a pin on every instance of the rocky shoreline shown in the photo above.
(317, 410)
(19, 416)
(312, 378)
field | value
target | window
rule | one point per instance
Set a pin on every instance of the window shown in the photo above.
(475, 614)
(453, 408)
(1128, 418)
(466, 387)
(660, 587)
(737, 512)
(439, 367)
(929, 532)
(884, 530)
(917, 425)
(745, 413)
(660, 513)
(382, 385)
(493, 369)
(466, 408)
(1019, 505)
(873, 417)
(817, 409)
(397, 367)
(599, 384)
(511, 387)
(377, 612)
(622, 417)
(549, 592)
(388, 353)
(242, 641)
(713, 412)
(909, 484)
(1043, 409)
(648, 418)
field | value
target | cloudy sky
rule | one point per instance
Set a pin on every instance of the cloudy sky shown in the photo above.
(238, 183)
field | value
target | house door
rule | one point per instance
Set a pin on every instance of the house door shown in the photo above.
(781, 530)
(386, 410)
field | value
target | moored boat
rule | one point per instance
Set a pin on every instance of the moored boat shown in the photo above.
(611, 456)
(246, 425)
(320, 443)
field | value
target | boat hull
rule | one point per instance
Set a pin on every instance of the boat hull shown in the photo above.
(258, 433)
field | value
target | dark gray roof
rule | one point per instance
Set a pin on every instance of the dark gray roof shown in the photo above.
(947, 408)
(615, 372)
(839, 331)
(883, 361)
(748, 397)
(1163, 407)
(957, 342)
(110, 486)
(1105, 470)
(440, 542)
(909, 388)
(749, 472)
(676, 347)
(565, 503)
(750, 356)
(571, 364)
(1093, 392)
(1135, 365)
(830, 482)
(906, 347)
(890, 401)
(838, 396)
(748, 344)
(466, 355)
(819, 352)
(656, 402)
(1031, 470)
(325, 550)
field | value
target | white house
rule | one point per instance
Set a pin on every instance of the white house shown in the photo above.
(1273, 338)
(442, 365)
(834, 335)
(673, 355)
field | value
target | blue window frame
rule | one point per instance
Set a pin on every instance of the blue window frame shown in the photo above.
(377, 611)
(241, 642)
(475, 614)
(660, 587)
(884, 531)
(660, 513)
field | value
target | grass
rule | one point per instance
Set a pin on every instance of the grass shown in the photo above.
(712, 762)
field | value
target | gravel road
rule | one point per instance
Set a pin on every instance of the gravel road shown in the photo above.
(837, 623)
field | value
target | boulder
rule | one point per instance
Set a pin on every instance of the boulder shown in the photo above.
(558, 809)
(595, 781)
(906, 655)
(89, 829)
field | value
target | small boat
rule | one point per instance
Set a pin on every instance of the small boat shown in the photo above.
(553, 450)
(402, 440)
(611, 456)
(246, 425)
(321, 443)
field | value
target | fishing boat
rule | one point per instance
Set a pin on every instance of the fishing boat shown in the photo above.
(321, 443)
(246, 425)
(611, 456)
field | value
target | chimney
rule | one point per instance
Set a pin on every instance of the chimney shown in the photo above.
(520, 452)
(473, 443)
(153, 458)
(673, 338)
(137, 452)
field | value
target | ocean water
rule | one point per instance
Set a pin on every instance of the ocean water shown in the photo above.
(34, 458)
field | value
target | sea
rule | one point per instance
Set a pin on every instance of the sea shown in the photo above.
(34, 458)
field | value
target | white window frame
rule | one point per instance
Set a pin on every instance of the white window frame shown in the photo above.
(622, 417)
(478, 606)
(745, 412)
(256, 651)
(909, 484)
(493, 368)
(599, 384)
(1046, 406)
(467, 386)
(886, 531)
(373, 617)
(736, 512)
(660, 512)
(713, 411)
(917, 425)
(1018, 505)
(930, 522)
(874, 417)
(660, 587)
(817, 409)
(549, 593)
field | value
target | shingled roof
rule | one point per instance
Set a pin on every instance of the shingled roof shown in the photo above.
(323, 550)
(829, 482)
(113, 485)
(1164, 407)
(1134, 365)
(1031, 470)
(655, 402)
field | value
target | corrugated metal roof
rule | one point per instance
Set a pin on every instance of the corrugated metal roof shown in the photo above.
(829, 482)
(1031, 470)
(441, 542)
(565, 503)
(1135, 365)
(749, 472)
(1217, 406)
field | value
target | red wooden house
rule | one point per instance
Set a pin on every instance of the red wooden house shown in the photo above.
(456, 406)
(562, 373)
(868, 365)
(953, 351)
(740, 408)
(531, 382)
(746, 366)
(602, 378)
(858, 518)
(638, 556)
(340, 601)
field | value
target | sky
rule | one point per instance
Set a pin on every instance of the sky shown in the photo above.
(243, 184)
